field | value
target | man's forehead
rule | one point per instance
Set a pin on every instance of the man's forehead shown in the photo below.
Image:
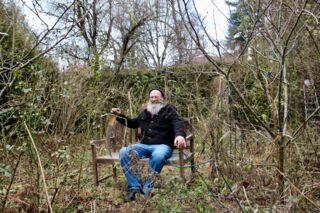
(155, 92)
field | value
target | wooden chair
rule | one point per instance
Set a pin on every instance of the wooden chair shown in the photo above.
(118, 135)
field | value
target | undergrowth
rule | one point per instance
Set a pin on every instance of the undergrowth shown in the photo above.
(247, 185)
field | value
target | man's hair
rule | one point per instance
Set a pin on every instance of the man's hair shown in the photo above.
(162, 93)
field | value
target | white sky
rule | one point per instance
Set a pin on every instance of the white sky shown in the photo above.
(216, 13)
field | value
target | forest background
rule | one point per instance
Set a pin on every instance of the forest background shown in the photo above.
(254, 102)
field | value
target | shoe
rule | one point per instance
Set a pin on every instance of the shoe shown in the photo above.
(148, 193)
(131, 196)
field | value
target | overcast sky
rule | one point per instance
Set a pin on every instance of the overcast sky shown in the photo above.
(215, 11)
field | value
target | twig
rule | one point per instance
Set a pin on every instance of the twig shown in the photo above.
(298, 190)
(11, 181)
(213, 193)
(311, 14)
(71, 200)
(41, 168)
(18, 200)
(295, 134)
(245, 194)
(228, 186)
(144, 206)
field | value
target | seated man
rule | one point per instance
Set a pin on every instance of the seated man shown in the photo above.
(161, 129)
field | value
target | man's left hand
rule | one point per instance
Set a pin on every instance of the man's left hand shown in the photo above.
(180, 142)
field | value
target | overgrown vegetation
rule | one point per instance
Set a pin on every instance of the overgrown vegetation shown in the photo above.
(63, 126)
(256, 152)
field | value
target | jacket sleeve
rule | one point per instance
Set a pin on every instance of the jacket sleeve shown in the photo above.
(129, 122)
(177, 122)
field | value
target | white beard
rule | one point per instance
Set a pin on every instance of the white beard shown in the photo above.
(154, 108)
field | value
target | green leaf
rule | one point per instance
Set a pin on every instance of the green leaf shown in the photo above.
(16, 72)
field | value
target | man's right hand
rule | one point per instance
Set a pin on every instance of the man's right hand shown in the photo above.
(116, 111)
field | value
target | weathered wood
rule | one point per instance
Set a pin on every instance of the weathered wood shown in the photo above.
(173, 160)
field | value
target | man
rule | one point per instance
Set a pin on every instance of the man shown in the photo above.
(161, 130)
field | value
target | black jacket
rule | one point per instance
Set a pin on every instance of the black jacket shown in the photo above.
(162, 128)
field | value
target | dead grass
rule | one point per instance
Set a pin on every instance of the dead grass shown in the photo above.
(251, 175)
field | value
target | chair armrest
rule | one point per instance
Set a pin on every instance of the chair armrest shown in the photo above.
(97, 142)
(100, 142)
(189, 137)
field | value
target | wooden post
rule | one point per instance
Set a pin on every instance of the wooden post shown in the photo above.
(192, 163)
(114, 170)
(181, 162)
(94, 164)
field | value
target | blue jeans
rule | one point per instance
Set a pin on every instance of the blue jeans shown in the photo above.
(157, 155)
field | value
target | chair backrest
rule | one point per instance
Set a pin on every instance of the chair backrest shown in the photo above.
(117, 135)
(189, 131)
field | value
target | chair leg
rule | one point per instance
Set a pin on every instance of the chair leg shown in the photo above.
(95, 174)
(114, 171)
(94, 166)
(181, 166)
(192, 164)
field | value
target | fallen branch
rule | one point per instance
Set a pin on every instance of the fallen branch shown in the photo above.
(298, 190)
(41, 168)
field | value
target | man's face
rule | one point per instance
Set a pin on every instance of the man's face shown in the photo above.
(155, 97)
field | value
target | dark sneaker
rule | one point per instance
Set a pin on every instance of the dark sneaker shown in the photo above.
(131, 196)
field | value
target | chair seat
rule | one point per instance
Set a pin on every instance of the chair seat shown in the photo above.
(174, 159)
(113, 156)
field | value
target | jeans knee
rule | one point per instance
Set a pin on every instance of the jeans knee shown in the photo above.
(158, 158)
(157, 162)
(123, 152)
